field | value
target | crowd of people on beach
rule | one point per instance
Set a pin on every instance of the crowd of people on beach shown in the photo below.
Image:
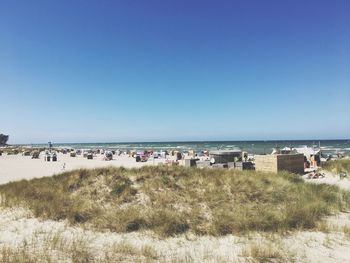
(312, 163)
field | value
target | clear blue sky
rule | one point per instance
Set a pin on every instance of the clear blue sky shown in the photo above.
(100, 71)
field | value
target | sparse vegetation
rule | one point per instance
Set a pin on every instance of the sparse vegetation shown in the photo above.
(175, 200)
(56, 248)
(346, 230)
(337, 166)
(267, 251)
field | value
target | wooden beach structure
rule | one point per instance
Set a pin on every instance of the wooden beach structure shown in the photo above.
(293, 163)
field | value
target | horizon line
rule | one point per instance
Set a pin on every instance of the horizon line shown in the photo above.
(183, 141)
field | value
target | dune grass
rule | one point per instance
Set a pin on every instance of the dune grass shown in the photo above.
(174, 200)
(57, 248)
(337, 166)
(268, 251)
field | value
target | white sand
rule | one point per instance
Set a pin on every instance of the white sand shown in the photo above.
(18, 226)
(332, 179)
(17, 167)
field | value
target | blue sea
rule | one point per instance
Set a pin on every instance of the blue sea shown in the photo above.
(256, 147)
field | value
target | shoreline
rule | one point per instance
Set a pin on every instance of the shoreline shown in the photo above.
(252, 146)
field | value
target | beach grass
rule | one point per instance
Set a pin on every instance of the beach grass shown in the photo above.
(57, 248)
(337, 166)
(174, 200)
(268, 251)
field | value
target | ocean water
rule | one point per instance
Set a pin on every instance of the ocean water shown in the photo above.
(256, 147)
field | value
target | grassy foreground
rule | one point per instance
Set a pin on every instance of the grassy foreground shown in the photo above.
(174, 200)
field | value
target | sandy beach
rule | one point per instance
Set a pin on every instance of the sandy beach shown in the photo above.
(17, 167)
(18, 225)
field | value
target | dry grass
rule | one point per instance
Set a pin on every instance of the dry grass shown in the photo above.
(174, 200)
(337, 166)
(346, 230)
(268, 251)
(57, 248)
